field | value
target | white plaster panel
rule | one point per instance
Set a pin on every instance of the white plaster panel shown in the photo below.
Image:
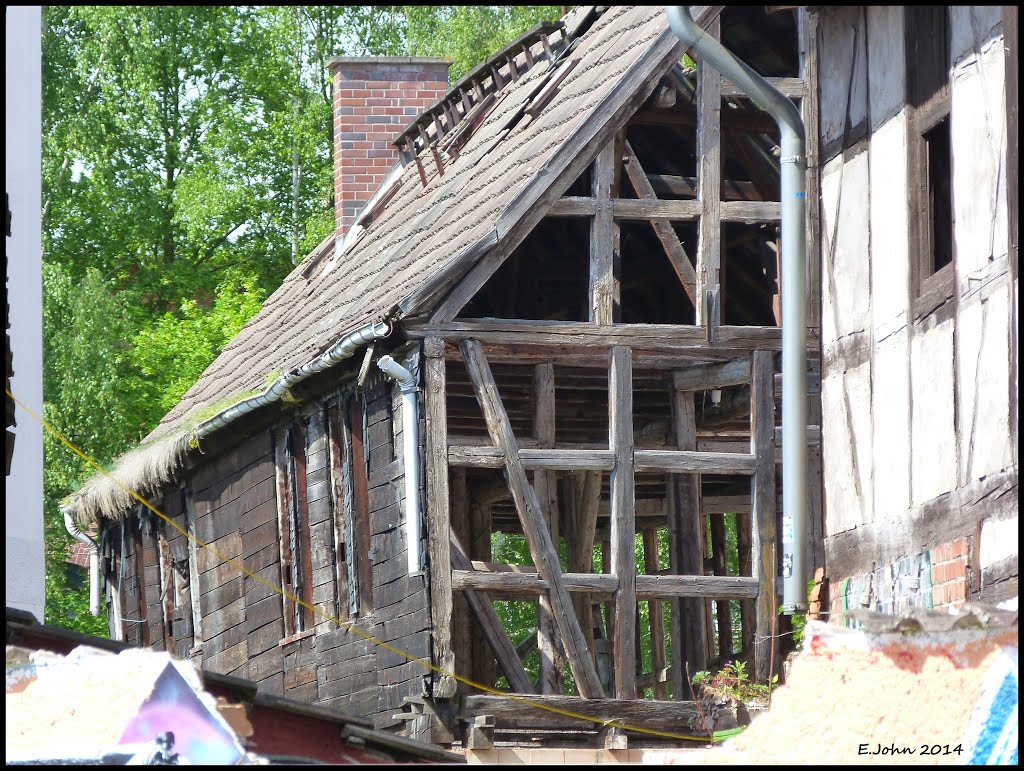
(890, 259)
(846, 291)
(841, 28)
(984, 386)
(999, 540)
(933, 444)
(890, 424)
(846, 449)
(885, 61)
(978, 132)
(972, 26)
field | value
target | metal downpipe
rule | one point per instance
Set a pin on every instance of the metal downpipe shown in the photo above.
(793, 166)
(94, 560)
(410, 441)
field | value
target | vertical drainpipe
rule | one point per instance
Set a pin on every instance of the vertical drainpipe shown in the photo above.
(410, 439)
(793, 163)
(94, 561)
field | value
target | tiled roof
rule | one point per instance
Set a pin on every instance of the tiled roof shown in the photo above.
(425, 232)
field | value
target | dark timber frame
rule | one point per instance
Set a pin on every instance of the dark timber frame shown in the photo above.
(560, 488)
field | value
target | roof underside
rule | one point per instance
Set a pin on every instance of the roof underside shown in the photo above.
(426, 235)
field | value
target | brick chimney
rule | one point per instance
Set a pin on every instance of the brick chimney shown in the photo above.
(374, 99)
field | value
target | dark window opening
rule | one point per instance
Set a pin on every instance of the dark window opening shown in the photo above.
(940, 195)
(651, 290)
(545, 278)
(749, 293)
(349, 490)
(296, 562)
(926, 30)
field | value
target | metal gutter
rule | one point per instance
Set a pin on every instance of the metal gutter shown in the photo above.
(793, 165)
(338, 352)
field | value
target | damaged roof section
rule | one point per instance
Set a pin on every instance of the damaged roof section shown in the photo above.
(440, 221)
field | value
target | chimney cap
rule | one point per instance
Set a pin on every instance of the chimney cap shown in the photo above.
(340, 61)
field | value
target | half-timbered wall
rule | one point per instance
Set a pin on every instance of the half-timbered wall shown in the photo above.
(349, 546)
(919, 424)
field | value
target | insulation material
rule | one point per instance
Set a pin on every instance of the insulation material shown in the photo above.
(933, 442)
(843, 70)
(890, 416)
(885, 63)
(973, 25)
(1000, 539)
(847, 450)
(978, 135)
(846, 294)
(889, 228)
(985, 443)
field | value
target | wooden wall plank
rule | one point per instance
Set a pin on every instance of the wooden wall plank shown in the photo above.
(439, 519)
(604, 240)
(709, 184)
(623, 524)
(765, 569)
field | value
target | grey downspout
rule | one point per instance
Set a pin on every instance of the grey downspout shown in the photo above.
(793, 166)
(410, 436)
(94, 560)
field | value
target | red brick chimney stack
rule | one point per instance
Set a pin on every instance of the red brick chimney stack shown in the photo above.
(374, 99)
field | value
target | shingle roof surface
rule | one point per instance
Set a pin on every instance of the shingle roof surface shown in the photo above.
(422, 230)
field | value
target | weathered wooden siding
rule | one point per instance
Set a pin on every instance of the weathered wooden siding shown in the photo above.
(916, 401)
(233, 500)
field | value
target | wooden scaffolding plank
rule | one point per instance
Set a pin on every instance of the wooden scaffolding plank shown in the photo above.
(762, 445)
(524, 581)
(531, 515)
(623, 524)
(439, 521)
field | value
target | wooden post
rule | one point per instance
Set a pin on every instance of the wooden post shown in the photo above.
(762, 446)
(551, 663)
(484, 663)
(623, 520)
(438, 527)
(721, 606)
(657, 617)
(531, 515)
(462, 639)
(743, 533)
(604, 240)
(709, 183)
(586, 497)
(686, 550)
